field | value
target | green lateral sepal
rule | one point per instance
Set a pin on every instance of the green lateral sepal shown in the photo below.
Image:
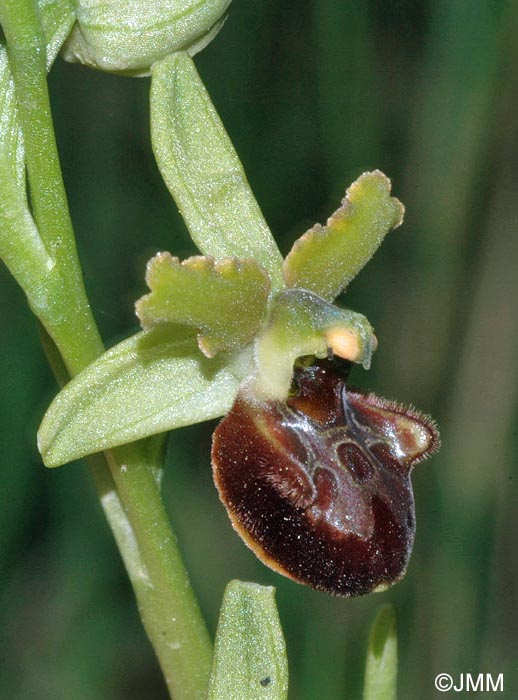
(152, 382)
(326, 258)
(250, 654)
(225, 300)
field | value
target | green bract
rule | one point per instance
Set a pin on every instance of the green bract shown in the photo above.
(21, 246)
(249, 654)
(381, 665)
(128, 36)
(147, 384)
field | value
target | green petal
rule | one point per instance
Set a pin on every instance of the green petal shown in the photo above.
(326, 258)
(202, 171)
(381, 667)
(250, 655)
(152, 382)
(225, 301)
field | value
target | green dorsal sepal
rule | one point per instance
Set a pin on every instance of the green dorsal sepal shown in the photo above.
(203, 172)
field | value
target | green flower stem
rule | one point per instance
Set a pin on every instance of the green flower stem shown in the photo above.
(74, 332)
(173, 620)
(130, 498)
(135, 512)
(165, 598)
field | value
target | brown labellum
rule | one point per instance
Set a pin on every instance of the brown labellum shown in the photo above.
(319, 486)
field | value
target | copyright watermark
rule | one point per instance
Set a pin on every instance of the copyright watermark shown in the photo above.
(470, 683)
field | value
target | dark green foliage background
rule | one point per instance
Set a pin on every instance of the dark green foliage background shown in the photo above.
(312, 94)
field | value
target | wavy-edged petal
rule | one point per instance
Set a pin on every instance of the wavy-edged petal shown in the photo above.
(224, 300)
(326, 258)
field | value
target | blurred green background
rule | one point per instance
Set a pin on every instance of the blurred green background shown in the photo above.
(312, 94)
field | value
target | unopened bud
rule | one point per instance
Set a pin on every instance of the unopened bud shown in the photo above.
(128, 36)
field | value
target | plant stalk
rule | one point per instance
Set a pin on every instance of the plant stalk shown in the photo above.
(126, 478)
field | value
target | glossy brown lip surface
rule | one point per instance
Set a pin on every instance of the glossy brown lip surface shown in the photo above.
(319, 486)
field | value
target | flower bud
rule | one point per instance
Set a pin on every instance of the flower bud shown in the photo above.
(128, 36)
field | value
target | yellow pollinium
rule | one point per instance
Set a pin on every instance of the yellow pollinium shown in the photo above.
(302, 323)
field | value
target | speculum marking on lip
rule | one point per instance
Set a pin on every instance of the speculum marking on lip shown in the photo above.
(319, 486)
(355, 460)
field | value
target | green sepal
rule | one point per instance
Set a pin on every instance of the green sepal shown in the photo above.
(120, 36)
(381, 665)
(203, 172)
(225, 300)
(302, 323)
(150, 383)
(326, 258)
(250, 654)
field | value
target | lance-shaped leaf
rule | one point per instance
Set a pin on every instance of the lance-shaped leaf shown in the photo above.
(250, 655)
(225, 300)
(381, 666)
(152, 382)
(326, 258)
(202, 170)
